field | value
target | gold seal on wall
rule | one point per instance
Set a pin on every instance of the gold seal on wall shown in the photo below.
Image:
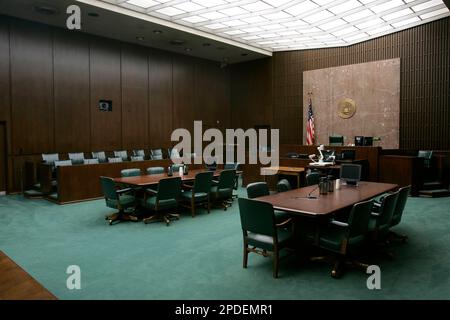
(346, 108)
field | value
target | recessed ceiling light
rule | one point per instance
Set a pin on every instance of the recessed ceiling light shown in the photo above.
(187, 49)
(47, 10)
(93, 14)
(157, 31)
(177, 42)
(140, 38)
(206, 44)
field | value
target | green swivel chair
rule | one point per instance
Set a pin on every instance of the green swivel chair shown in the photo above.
(120, 199)
(76, 158)
(139, 153)
(380, 222)
(403, 194)
(155, 170)
(260, 189)
(130, 172)
(426, 155)
(312, 178)
(260, 232)
(121, 154)
(346, 240)
(199, 193)
(156, 154)
(283, 185)
(100, 155)
(163, 200)
(223, 191)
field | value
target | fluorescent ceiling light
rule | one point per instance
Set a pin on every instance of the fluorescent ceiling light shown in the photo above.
(249, 22)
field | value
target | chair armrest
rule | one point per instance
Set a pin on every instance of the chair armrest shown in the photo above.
(122, 191)
(215, 182)
(339, 223)
(148, 190)
(376, 204)
(187, 186)
(285, 222)
(375, 214)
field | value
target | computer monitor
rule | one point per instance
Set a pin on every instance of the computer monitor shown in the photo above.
(359, 141)
(368, 141)
(348, 155)
(351, 173)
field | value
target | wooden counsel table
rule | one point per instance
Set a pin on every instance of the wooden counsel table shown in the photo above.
(16, 284)
(292, 171)
(146, 180)
(297, 202)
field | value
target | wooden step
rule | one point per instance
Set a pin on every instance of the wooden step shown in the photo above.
(436, 193)
(432, 185)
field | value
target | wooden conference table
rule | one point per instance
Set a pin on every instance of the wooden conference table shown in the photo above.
(146, 180)
(292, 171)
(297, 202)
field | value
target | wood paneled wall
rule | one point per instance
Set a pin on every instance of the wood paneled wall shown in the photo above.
(424, 52)
(51, 81)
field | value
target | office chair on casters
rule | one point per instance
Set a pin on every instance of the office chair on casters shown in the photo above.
(223, 191)
(199, 192)
(121, 199)
(312, 178)
(346, 240)
(163, 200)
(283, 185)
(260, 233)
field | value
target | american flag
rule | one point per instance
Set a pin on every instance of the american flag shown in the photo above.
(310, 125)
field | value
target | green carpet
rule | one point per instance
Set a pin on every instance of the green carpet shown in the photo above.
(201, 258)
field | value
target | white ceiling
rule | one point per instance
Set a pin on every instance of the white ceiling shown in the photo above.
(280, 25)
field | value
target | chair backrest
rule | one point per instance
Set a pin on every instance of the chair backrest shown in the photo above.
(155, 170)
(229, 166)
(226, 179)
(134, 172)
(114, 160)
(77, 158)
(351, 173)
(50, 158)
(203, 181)
(156, 154)
(121, 154)
(312, 178)
(358, 220)
(137, 158)
(108, 188)
(91, 161)
(336, 140)
(169, 188)
(100, 155)
(387, 210)
(176, 167)
(283, 185)
(348, 154)
(63, 163)
(139, 153)
(173, 153)
(257, 217)
(403, 194)
(257, 189)
(426, 155)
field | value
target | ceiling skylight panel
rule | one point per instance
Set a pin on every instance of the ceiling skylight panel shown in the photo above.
(426, 5)
(332, 24)
(234, 23)
(321, 15)
(255, 19)
(213, 15)
(358, 15)
(234, 32)
(253, 30)
(371, 23)
(275, 26)
(358, 36)
(215, 26)
(387, 5)
(170, 11)
(380, 30)
(209, 3)
(257, 6)
(268, 35)
(277, 3)
(189, 6)
(251, 38)
(301, 8)
(143, 3)
(405, 22)
(288, 33)
(346, 6)
(194, 19)
(397, 14)
(434, 13)
(345, 31)
(233, 11)
(277, 15)
(295, 23)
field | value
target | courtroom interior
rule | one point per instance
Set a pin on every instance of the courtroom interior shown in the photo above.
(99, 200)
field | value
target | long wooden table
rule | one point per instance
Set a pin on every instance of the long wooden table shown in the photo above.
(291, 171)
(16, 284)
(297, 202)
(146, 180)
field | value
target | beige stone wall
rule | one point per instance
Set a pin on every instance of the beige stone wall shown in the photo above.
(375, 88)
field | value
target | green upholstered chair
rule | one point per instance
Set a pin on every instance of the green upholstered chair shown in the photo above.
(426, 155)
(173, 153)
(260, 189)
(380, 221)
(198, 193)
(156, 154)
(137, 158)
(312, 178)
(163, 200)
(139, 153)
(120, 199)
(115, 160)
(155, 170)
(260, 232)
(50, 158)
(346, 240)
(403, 194)
(91, 161)
(283, 185)
(100, 155)
(134, 172)
(121, 154)
(223, 191)
(336, 140)
(76, 158)
(233, 166)
(62, 163)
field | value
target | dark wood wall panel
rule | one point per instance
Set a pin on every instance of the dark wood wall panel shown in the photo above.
(251, 94)
(32, 88)
(134, 97)
(425, 71)
(160, 99)
(212, 92)
(5, 106)
(106, 127)
(183, 93)
(72, 120)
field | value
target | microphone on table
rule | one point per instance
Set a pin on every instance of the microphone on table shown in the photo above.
(309, 196)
